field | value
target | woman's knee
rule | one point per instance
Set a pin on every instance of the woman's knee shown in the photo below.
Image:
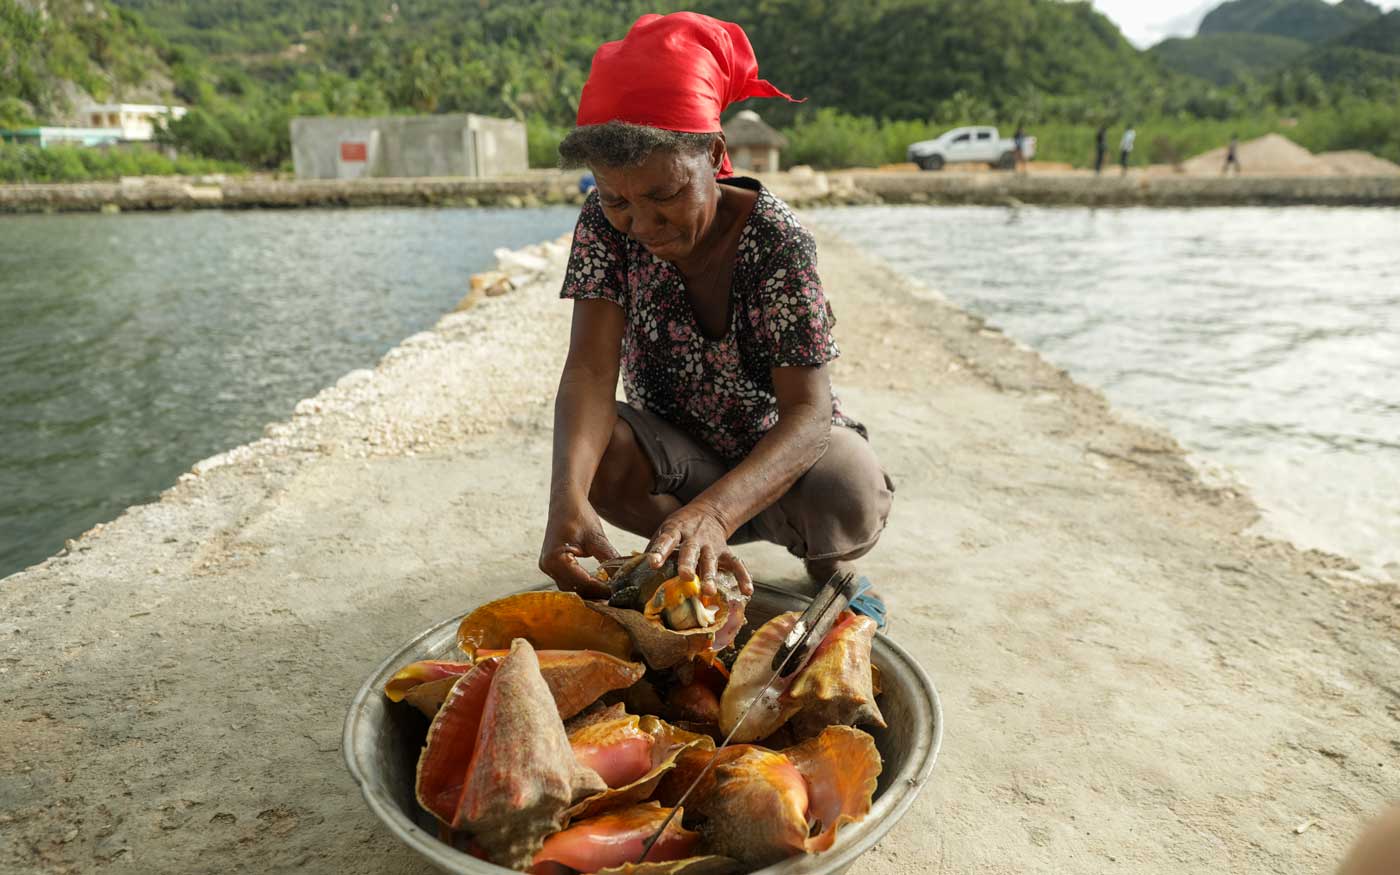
(846, 498)
(623, 472)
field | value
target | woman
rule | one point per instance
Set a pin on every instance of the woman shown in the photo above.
(702, 290)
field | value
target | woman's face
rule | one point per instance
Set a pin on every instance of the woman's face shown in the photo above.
(667, 203)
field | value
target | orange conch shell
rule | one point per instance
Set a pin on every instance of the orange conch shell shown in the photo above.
(662, 647)
(755, 807)
(760, 806)
(447, 753)
(576, 679)
(633, 754)
(505, 758)
(617, 838)
(549, 620)
(835, 686)
(841, 767)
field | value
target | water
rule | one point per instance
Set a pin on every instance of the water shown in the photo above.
(1267, 341)
(133, 346)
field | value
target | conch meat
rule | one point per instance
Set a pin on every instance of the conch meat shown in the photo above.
(669, 619)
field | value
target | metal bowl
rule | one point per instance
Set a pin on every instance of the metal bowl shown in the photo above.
(382, 741)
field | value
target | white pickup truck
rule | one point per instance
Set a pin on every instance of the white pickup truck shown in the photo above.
(975, 145)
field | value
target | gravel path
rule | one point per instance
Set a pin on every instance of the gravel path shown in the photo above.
(1130, 683)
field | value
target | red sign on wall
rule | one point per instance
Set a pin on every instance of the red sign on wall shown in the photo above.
(354, 152)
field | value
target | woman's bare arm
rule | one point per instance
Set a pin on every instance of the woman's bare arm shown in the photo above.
(699, 530)
(584, 416)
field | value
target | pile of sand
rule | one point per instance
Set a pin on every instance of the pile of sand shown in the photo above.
(1276, 155)
(1357, 163)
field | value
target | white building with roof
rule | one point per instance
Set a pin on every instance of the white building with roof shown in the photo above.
(135, 121)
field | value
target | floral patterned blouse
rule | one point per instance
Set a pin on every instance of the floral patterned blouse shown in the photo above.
(720, 391)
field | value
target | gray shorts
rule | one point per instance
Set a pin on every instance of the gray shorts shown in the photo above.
(836, 510)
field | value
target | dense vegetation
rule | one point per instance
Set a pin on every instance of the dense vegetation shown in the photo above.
(877, 75)
(48, 47)
(79, 164)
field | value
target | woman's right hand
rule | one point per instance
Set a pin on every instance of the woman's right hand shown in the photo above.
(572, 533)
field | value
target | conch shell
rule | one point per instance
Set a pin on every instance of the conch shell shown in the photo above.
(707, 865)
(576, 679)
(616, 839)
(548, 619)
(632, 754)
(635, 584)
(760, 806)
(834, 688)
(498, 763)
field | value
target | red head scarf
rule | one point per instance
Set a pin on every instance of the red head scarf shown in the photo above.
(677, 72)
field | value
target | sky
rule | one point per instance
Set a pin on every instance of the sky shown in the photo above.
(1146, 22)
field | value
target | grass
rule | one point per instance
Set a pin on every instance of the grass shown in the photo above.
(27, 163)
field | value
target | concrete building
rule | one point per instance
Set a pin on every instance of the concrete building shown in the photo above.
(134, 121)
(752, 144)
(331, 147)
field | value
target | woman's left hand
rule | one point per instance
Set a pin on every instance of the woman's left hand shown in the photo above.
(696, 534)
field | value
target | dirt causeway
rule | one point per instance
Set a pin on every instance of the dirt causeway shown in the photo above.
(1131, 682)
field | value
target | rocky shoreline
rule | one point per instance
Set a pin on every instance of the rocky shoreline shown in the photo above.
(1130, 680)
(798, 188)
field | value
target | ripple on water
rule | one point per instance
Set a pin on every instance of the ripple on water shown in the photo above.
(133, 346)
(1267, 339)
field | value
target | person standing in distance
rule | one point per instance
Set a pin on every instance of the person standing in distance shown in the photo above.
(1232, 157)
(1100, 148)
(1125, 147)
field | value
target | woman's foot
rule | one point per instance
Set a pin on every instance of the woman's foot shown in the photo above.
(867, 601)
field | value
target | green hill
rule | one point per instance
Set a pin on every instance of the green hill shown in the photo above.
(54, 53)
(897, 58)
(1381, 35)
(245, 67)
(1312, 21)
(1282, 42)
(1224, 58)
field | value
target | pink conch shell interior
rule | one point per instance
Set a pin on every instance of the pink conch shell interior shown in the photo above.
(632, 754)
(617, 838)
(419, 673)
